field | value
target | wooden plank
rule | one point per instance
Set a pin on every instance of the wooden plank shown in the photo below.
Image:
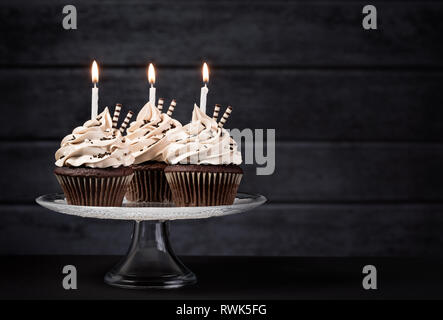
(304, 172)
(272, 230)
(236, 33)
(300, 105)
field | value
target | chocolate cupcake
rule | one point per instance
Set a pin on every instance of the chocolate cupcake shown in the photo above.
(204, 163)
(93, 164)
(148, 140)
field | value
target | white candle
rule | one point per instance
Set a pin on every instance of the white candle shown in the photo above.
(204, 89)
(152, 95)
(151, 79)
(203, 94)
(94, 101)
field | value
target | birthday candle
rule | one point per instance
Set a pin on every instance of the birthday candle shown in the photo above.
(94, 101)
(204, 89)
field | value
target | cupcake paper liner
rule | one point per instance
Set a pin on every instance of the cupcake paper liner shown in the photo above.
(149, 185)
(194, 189)
(94, 191)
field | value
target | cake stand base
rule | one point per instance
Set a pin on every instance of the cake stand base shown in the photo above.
(150, 261)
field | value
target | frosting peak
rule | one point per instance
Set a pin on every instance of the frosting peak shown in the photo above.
(202, 142)
(95, 144)
(147, 134)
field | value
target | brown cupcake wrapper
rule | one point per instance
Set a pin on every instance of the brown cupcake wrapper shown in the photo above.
(94, 191)
(149, 185)
(194, 189)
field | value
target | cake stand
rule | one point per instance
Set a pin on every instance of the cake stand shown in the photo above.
(150, 261)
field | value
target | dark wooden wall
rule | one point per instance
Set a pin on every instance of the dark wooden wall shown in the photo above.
(358, 116)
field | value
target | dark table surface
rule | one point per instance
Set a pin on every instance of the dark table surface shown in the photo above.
(40, 277)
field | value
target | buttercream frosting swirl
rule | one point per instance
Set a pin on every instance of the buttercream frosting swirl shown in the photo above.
(148, 134)
(202, 141)
(95, 145)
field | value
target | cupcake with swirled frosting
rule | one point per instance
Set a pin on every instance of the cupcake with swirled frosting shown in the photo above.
(203, 163)
(93, 163)
(148, 139)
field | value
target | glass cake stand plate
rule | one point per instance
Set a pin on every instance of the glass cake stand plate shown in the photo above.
(150, 261)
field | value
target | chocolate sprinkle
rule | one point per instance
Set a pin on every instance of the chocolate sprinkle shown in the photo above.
(102, 155)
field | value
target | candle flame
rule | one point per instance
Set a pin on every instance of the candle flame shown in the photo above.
(94, 72)
(151, 74)
(205, 73)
